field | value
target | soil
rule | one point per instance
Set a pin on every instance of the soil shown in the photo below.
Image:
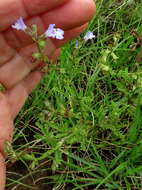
(19, 170)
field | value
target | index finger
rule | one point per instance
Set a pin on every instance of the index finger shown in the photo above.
(11, 10)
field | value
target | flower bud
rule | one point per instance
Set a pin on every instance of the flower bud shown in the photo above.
(42, 44)
(36, 56)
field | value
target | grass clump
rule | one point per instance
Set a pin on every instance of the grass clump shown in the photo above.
(82, 127)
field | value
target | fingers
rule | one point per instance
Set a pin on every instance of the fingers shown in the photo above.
(55, 55)
(2, 172)
(18, 94)
(13, 9)
(6, 52)
(18, 67)
(72, 14)
(39, 6)
(15, 70)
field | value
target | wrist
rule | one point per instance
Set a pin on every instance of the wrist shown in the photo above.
(2, 172)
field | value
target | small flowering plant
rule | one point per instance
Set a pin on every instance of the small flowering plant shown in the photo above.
(88, 36)
(40, 40)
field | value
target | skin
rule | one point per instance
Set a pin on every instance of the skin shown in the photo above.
(18, 73)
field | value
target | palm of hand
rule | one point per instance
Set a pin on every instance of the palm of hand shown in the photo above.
(16, 48)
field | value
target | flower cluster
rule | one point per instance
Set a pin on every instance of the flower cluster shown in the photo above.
(51, 32)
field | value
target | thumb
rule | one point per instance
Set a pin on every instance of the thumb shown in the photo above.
(6, 122)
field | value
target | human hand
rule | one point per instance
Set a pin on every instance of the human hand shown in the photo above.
(17, 71)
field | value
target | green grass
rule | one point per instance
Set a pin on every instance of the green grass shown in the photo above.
(81, 129)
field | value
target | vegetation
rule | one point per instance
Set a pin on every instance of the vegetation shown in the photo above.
(81, 129)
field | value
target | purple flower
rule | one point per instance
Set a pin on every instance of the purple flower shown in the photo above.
(59, 34)
(19, 25)
(76, 44)
(54, 32)
(89, 35)
(50, 32)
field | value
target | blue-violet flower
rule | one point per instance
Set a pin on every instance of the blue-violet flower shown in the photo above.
(19, 25)
(76, 44)
(89, 35)
(54, 32)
